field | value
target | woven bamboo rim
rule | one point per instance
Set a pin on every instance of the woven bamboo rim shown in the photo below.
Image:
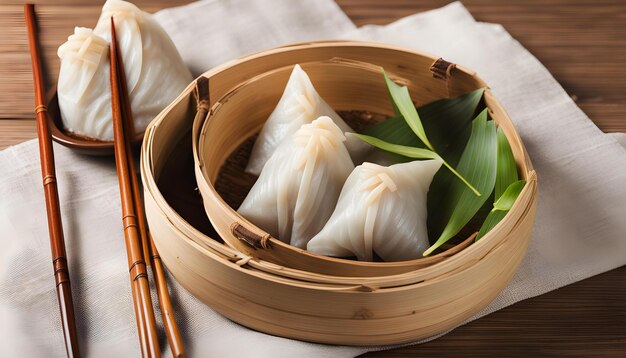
(367, 310)
(241, 112)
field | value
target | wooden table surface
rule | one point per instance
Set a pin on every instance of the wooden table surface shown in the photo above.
(583, 44)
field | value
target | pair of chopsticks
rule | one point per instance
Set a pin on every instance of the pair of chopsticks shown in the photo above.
(139, 244)
(53, 211)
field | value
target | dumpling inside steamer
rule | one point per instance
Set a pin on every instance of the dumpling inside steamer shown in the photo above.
(154, 70)
(299, 104)
(380, 210)
(299, 185)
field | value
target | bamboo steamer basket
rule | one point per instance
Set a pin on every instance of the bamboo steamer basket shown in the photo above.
(347, 82)
(340, 309)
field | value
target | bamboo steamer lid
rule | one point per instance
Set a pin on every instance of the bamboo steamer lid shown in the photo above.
(377, 307)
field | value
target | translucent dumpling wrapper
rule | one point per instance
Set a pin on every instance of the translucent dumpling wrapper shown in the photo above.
(299, 104)
(155, 72)
(298, 188)
(380, 210)
(84, 85)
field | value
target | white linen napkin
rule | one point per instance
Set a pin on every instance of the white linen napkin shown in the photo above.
(211, 32)
(579, 231)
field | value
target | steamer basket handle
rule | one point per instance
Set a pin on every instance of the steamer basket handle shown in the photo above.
(202, 94)
(441, 69)
(250, 238)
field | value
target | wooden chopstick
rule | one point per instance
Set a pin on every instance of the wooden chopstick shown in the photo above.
(48, 173)
(149, 249)
(144, 312)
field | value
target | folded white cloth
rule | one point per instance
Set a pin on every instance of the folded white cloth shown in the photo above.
(579, 231)
(211, 32)
(619, 137)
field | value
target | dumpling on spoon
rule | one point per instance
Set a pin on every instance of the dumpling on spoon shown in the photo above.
(155, 72)
(380, 210)
(299, 104)
(83, 89)
(299, 186)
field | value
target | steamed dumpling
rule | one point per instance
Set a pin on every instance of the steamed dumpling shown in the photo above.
(299, 186)
(299, 104)
(380, 210)
(84, 85)
(155, 72)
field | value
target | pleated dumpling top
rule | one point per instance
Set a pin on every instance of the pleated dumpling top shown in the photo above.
(155, 72)
(380, 210)
(298, 188)
(299, 104)
(84, 85)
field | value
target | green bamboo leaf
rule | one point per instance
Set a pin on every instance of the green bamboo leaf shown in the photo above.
(411, 152)
(501, 207)
(402, 101)
(396, 110)
(507, 186)
(507, 199)
(507, 169)
(448, 123)
(465, 181)
(395, 130)
(494, 217)
(443, 195)
(478, 166)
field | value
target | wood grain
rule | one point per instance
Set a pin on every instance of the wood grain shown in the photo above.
(585, 319)
(583, 44)
(15, 131)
